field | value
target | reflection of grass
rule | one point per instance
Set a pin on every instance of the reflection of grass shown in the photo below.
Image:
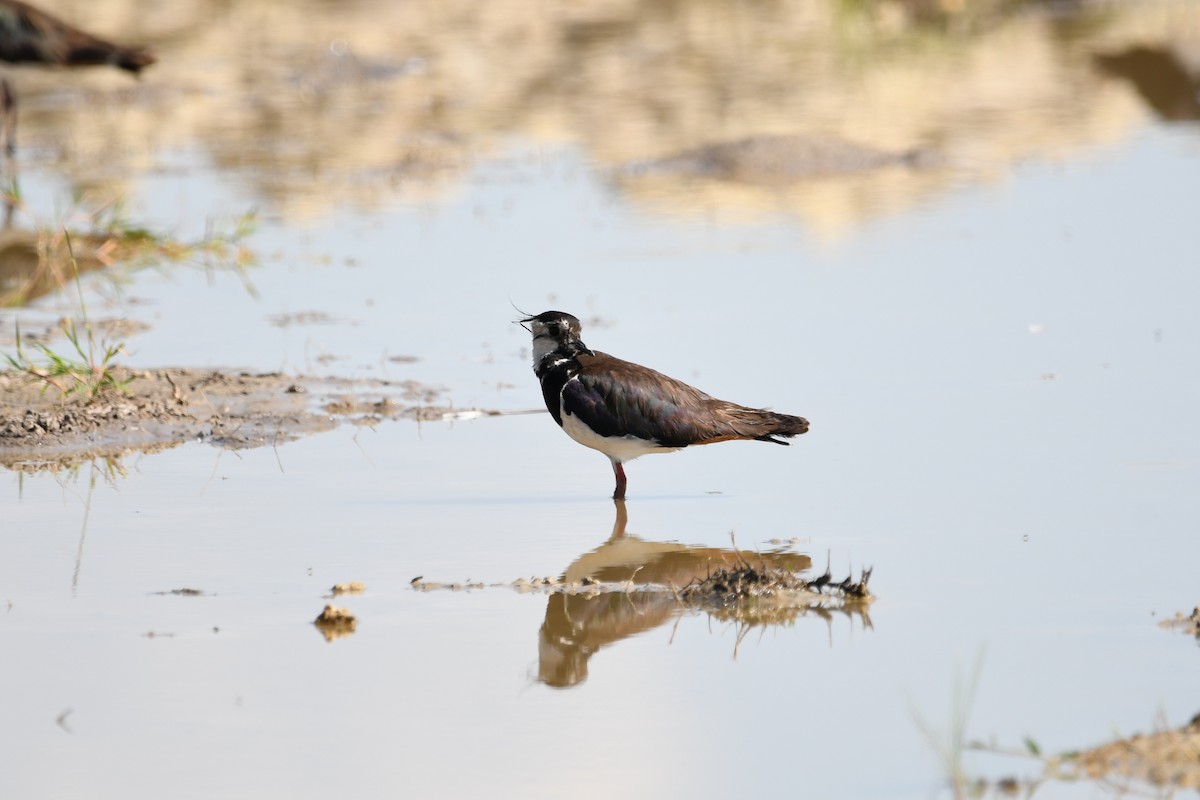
(89, 371)
(217, 249)
(107, 236)
(109, 467)
(951, 747)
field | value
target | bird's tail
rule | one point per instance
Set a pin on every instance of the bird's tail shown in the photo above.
(739, 422)
(784, 425)
(88, 50)
(134, 59)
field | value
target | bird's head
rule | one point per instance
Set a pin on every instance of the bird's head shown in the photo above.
(553, 331)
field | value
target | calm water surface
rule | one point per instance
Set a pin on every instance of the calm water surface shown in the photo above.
(1000, 360)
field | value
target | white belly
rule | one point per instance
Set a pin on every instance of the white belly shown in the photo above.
(618, 448)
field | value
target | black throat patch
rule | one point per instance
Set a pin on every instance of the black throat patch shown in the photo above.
(554, 370)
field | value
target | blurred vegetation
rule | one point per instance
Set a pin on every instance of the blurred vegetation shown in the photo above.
(319, 105)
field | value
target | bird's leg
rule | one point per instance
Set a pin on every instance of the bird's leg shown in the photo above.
(621, 520)
(619, 471)
(8, 107)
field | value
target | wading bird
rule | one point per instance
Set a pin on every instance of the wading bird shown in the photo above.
(28, 35)
(625, 410)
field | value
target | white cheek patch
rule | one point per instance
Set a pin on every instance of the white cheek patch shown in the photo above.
(542, 347)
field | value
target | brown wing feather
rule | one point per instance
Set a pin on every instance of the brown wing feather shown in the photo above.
(629, 399)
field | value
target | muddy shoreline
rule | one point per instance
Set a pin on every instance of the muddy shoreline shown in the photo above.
(163, 408)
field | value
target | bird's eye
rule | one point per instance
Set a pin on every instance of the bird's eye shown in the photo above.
(553, 329)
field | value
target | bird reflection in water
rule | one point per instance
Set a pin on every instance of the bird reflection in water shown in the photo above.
(31, 36)
(578, 625)
(1166, 82)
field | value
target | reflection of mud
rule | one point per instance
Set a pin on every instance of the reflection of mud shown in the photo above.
(1168, 758)
(778, 160)
(629, 585)
(165, 408)
(750, 175)
(303, 318)
(1189, 624)
(1143, 765)
(402, 396)
(334, 622)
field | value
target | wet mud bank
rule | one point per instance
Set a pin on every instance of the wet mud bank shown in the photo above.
(42, 429)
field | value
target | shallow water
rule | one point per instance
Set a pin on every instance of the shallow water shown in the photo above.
(1000, 360)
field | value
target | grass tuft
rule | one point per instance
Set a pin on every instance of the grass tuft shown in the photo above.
(89, 370)
(48, 261)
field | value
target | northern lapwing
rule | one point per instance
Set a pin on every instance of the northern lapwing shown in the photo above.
(625, 410)
(29, 35)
